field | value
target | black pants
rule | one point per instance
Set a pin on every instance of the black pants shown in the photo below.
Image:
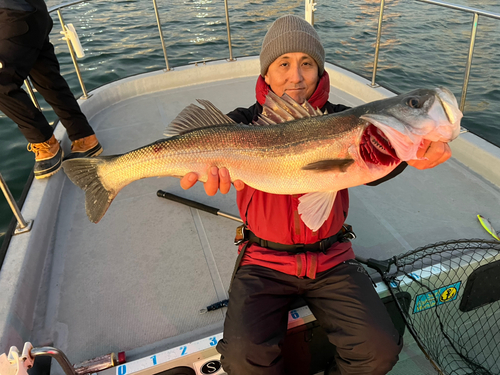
(25, 51)
(343, 301)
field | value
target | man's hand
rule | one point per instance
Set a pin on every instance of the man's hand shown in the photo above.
(433, 153)
(218, 179)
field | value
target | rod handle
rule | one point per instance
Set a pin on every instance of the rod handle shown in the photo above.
(187, 202)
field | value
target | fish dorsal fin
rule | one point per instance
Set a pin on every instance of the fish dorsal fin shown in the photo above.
(193, 117)
(314, 208)
(277, 110)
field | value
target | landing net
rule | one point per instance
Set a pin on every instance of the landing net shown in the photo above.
(454, 314)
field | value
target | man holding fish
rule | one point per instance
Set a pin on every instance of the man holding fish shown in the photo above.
(291, 165)
(282, 257)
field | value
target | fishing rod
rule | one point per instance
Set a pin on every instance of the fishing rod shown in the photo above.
(197, 205)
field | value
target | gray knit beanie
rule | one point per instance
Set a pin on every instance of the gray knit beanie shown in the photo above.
(291, 34)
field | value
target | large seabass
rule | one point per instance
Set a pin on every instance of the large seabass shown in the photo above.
(292, 149)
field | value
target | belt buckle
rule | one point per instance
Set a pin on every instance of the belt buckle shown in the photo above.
(347, 233)
(299, 248)
(240, 235)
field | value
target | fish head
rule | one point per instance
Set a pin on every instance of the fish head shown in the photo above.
(396, 127)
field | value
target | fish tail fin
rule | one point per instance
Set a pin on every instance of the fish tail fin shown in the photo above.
(83, 172)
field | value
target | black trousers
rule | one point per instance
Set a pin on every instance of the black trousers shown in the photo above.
(25, 50)
(343, 301)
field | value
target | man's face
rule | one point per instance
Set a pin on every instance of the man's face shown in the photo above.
(293, 73)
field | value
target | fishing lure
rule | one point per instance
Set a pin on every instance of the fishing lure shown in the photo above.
(488, 227)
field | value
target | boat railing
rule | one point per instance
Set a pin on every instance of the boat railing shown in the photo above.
(58, 9)
(310, 8)
(475, 12)
(22, 225)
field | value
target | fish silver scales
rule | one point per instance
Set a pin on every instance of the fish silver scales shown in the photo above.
(267, 158)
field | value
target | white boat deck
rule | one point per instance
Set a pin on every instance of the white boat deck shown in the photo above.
(136, 281)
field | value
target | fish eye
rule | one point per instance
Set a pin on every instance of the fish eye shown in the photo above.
(413, 103)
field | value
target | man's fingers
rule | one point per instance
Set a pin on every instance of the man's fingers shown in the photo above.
(422, 150)
(239, 185)
(445, 154)
(433, 154)
(212, 184)
(224, 181)
(437, 153)
(218, 179)
(189, 180)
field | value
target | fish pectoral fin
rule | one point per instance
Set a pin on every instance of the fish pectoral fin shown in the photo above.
(193, 117)
(338, 165)
(314, 208)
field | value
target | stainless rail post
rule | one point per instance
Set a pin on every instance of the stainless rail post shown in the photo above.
(477, 13)
(158, 22)
(22, 225)
(57, 355)
(73, 57)
(469, 62)
(377, 45)
(31, 93)
(310, 8)
(228, 32)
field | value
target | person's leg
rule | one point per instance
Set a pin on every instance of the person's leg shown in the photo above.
(256, 322)
(49, 82)
(347, 306)
(47, 79)
(16, 61)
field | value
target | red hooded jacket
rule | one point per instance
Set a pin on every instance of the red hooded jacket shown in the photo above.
(275, 217)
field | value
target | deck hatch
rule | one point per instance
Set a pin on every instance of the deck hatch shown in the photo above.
(482, 288)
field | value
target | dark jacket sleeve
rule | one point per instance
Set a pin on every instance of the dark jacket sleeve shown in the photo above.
(400, 168)
(246, 115)
(333, 108)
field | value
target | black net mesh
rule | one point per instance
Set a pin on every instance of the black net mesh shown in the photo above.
(455, 308)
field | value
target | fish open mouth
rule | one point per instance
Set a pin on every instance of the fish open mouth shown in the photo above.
(375, 148)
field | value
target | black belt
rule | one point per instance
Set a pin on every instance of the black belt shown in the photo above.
(344, 235)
